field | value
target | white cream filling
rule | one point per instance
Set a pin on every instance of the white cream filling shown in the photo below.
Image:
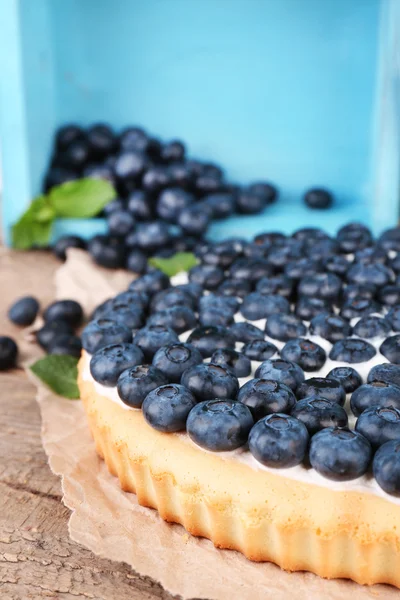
(365, 484)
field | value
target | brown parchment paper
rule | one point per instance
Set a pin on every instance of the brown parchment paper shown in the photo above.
(110, 522)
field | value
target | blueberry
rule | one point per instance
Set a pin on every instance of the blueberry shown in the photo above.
(322, 249)
(358, 291)
(330, 327)
(213, 302)
(236, 362)
(376, 393)
(66, 344)
(156, 179)
(208, 184)
(135, 300)
(279, 256)
(67, 134)
(120, 222)
(259, 350)
(76, 155)
(276, 284)
(266, 190)
(135, 382)
(57, 176)
(173, 151)
(348, 378)
(136, 261)
(371, 255)
(307, 308)
(207, 276)
(167, 407)
(264, 396)
(353, 236)
(320, 285)
(221, 254)
(337, 264)
(309, 355)
(209, 339)
(69, 311)
(178, 318)
(352, 351)
(222, 205)
(250, 269)
(250, 202)
(358, 307)
(386, 467)
(8, 353)
(317, 412)
(107, 364)
(113, 206)
(134, 138)
(309, 235)
(193, 289)
(46, 335)
(126, 314)
(107, 252)
(24, 311)
(375, 273)
(318, 198)
(390, 349)
(152, 234)
(389, 295)
(150, 283)
(176, 358)
(246, 332)
(208, 381)
(323, 387)
(379, 425)
(279, 441)
(257, 306)
(181, 175)
(302, 267)
(393, 318)
(386, 372)
(390, 239)
(234, 287)
(340, 454)
(64, 243)
(171, 297)
(99, 171)
(101, 140)
(284, 327)
(129, 165)
(171, 202)
(283, 371)
(370, 327)
(139, 206)
(153, 337)
(99, 333)
(215, 317)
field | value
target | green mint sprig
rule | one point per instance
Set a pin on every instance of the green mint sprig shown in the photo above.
(179, 262)
(59, 373)
(80, 199)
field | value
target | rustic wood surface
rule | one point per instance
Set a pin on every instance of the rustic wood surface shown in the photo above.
(37, 558)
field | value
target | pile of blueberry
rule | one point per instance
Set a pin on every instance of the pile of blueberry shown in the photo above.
(57, 335)
(165, 202)
(180, 352)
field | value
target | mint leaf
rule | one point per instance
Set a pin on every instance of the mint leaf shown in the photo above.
(34, 227)
(181, 261)
(82, 198)
(59, 373)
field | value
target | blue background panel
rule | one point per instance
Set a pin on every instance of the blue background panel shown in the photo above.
(298, 92)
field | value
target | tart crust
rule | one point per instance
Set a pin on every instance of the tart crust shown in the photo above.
(266, 517)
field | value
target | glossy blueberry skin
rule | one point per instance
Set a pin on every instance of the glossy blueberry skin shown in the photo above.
(181, 175)
(76, 155)
(259, 350)
(219, 425)
(353, 237)
(337, 264)
(136, 261)
(195, 219)
(152, 338)
(389, 295)
(376, 393)
(208, 276)
(135, 300)
(151, 235)
(107, 364)
(267, 190)
(386, 467)
(106, 252)
(340, 454)
(358, 291)
(122, 313)
(323, 387)
(222, 205)
(250, 269)
(238, 363)
(279, 441)
(8, 353)
(316, 413)
(171, 297)
(390, 239)
(213, 302)
(330, 327)
(386, 372)
(208, 381)
(150, 283)
(102, 309)
(275, 284)
(370, 327)
(358, 307)
(101, 140)
(64, 310)
(167, 408)
(318, 198)
(302, 267)
(129, 165)
(134, 383)
(193, 289)
(171, 202)
(67, 134)
(258, 306)
(246, 332)
(139, 205)
(326, 286)
(64, 243)
(173, 151)
(24, 311)
(46, 335)
(284, 327)
(348, 378)
(220, 254)
(120, 222)
(70, 345)
(156, 179)
(57, 175)
(321, 249)
(307, 308)
(176, 358)
(283, 371)
(178, 318)
(210, 317)
(249, 202)
(393, 317)
(390, 349)
(207, 184)
(376, 273)
(210, 339)
(307, 354)
(369, 256)
(103, 332)
(264, 397)
(379, 425)
(351, 350)
(114, 205)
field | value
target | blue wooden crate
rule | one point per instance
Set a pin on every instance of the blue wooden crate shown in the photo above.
(299, 92)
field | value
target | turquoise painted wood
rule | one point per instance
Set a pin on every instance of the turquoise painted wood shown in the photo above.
(298, 92)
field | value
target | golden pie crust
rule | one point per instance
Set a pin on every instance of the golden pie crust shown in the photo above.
(299, 526)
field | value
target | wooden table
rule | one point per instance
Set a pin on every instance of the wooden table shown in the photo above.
(37, 558)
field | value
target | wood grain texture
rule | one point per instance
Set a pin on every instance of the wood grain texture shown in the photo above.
(37, 558)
